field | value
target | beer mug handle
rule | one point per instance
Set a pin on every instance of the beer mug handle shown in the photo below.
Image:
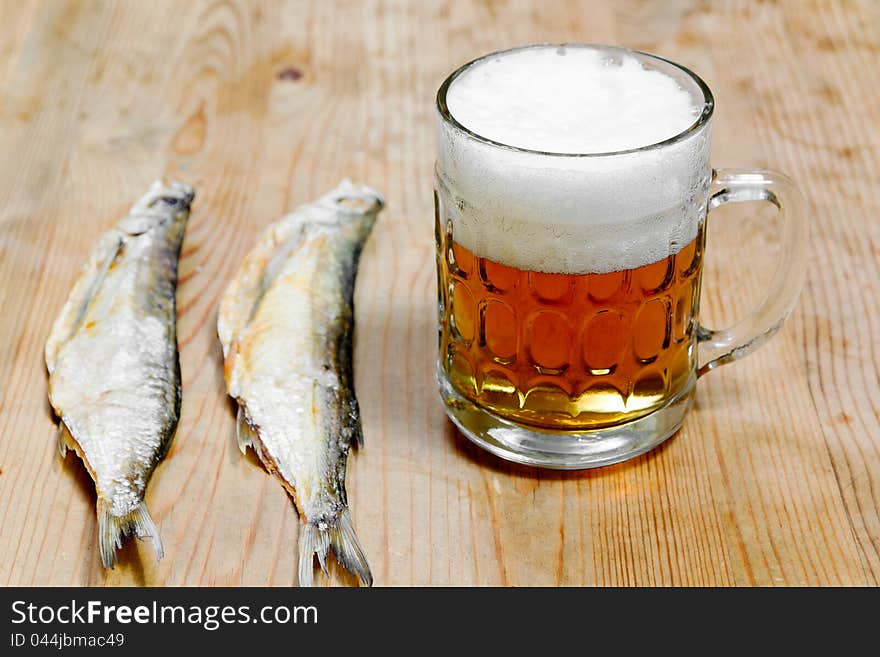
(717, 347)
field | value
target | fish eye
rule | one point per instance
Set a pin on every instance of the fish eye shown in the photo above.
(353, 202)
(357, 203)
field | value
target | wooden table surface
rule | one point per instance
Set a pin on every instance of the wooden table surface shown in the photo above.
(775, 477)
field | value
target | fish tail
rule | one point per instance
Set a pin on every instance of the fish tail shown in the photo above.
(112, 529)
(349, 553)
(312, 541)
(348, 549)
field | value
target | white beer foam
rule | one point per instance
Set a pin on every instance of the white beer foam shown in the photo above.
(570, 100)
(569, 214)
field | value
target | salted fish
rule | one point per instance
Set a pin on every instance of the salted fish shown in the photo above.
(286, 325)
(114, 372)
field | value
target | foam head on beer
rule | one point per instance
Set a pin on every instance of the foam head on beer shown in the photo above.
(565, 100)
(579, 192)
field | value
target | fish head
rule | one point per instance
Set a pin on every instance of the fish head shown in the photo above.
(165, 206)
(350, 199)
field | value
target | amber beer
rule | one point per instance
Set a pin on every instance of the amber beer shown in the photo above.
(567, 350)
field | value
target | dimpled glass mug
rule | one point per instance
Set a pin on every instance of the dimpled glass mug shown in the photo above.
(572, 187)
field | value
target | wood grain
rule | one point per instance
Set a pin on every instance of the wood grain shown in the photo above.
(775, 477)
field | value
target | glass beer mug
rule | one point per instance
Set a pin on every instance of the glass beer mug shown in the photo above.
(572, 188)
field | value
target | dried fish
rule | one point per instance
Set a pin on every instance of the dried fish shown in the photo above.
(114, 373)
(286, 323)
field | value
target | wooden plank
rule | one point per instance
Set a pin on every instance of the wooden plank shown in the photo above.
(262, 106)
